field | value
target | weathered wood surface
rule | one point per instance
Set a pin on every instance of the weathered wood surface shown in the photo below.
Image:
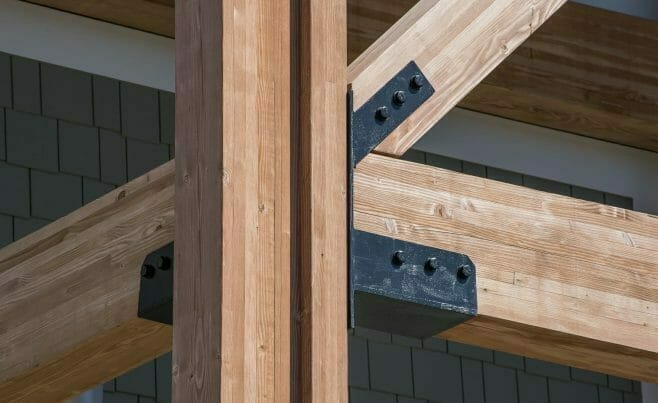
(69, 294)
(321, 183)
(232, 283)
(455, 43)
(586, 70)
(559, 279)
(155, 16)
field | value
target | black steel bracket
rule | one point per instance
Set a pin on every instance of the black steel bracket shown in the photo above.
(156, 286)
(385, 110)
(398, 286)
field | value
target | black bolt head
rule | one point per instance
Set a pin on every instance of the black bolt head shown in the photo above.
(432, 264)
(399, 257)
(465, 271)
(382, 113)
(163, 263)
(417, 82)
(148, 271)
(399, 97)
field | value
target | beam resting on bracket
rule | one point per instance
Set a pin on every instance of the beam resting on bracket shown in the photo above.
(69, 294)
(559, 279)
(455, 44)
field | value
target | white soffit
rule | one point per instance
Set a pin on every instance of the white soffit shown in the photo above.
(86, 44)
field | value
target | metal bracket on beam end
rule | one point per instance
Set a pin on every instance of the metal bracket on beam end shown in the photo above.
(157, 285)
(409, 289)
(387, 109)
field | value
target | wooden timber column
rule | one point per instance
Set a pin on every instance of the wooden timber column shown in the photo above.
(260, 201)
(322, 209)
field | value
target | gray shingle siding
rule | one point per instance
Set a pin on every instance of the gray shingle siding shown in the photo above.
(5, 79)
(32, 140)
(140, 112)
(66, 94)
(26, 85)
(107, 107)
(3, 154)
(78, 149)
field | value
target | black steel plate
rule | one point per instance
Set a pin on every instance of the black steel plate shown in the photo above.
(367, 130)
(408, 299)
(156, 293)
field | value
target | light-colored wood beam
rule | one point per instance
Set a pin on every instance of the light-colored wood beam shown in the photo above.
(155, 16)
(322, 206)
(233, 202)
(559, 279)
(587, 70)
(455, 43)
(69, 294)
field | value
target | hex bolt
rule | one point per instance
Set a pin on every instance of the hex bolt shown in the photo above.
(465, 271)
(163, 263)
(432, 264)
(417, 82)
(399, 258)
(382, 113)
(399, 97)
(148, 271)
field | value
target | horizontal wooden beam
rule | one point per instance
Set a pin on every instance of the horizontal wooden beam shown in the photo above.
(154, 16)
(69, 294)
(559, 279)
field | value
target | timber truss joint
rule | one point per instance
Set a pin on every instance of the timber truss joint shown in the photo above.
(397, 286)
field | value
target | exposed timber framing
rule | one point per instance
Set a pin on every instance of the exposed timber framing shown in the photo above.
(455, 43)
(559, 279)
(587, 70)
(233, 202)
(321, 183)
(69, 294)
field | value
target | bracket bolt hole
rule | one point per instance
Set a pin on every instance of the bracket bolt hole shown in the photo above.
(465, 271)
(432, 264)
(417, 81)
(382, 113)
(148, 271)
(163, 263)
(399, 258)
(399, 98)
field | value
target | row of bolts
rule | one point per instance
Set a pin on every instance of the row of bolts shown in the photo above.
(400, 97)
(432, 264)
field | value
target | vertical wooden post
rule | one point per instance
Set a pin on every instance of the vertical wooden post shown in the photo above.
(243, 187)
(232, 282)
(322, 209)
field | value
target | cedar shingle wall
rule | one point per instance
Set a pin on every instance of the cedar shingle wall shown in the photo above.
(67, 137)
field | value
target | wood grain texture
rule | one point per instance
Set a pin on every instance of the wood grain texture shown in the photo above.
(455, 43)
(232, 284)
(154, 16)
(69, 294)
(559, 279)
(322, 206)
(587, 70)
